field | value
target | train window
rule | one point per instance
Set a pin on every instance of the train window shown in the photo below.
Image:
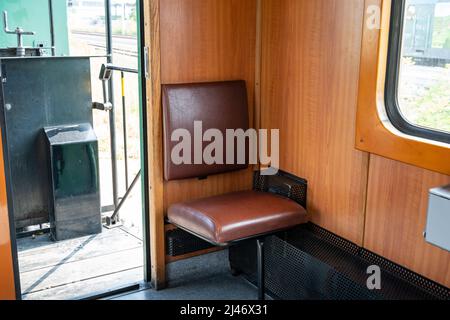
(418, 73)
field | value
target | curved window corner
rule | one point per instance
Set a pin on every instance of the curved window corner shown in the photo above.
(417, 93)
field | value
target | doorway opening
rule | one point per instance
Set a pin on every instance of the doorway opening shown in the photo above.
(79, 222)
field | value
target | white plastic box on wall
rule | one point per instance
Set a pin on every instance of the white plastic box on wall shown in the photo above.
(438, 222)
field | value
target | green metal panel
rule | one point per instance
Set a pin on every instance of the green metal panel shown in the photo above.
(33, 15)
(74, 172)
(58, 92)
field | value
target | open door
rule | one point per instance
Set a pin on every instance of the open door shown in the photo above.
(73, 152)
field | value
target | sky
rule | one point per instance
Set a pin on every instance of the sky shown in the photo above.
(442, 10)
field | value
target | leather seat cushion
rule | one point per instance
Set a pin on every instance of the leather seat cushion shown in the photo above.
(235, 216)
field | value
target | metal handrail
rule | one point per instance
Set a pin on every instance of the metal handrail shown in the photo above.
(114, 218)
(122, 69)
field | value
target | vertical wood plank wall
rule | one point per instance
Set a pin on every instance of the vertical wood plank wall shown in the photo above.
(205, 40)
(310, 65)
(309, 86)
(310, 60)
(396, 217)
(154, 137)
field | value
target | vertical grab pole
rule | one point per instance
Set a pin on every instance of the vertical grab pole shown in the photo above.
(112, 117)
(124, 125)
(52, 27)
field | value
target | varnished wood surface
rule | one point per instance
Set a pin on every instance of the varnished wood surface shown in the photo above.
(398, 193)
(155, 147)
(310, 71)
(203, 40)
(310, 68)
(193, 41)
(374, 132)
(7, 285)
(396, 217)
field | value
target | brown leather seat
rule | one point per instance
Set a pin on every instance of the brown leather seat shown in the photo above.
(240, 215)
(226, 219)
(230, 217)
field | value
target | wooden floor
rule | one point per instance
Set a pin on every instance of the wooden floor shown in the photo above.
(75, 268)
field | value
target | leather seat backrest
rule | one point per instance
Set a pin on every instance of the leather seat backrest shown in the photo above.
(218, 105)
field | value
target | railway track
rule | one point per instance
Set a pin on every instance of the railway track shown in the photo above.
(124, 45)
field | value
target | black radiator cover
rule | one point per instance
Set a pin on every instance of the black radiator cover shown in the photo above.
(179, 242)
(312, 263)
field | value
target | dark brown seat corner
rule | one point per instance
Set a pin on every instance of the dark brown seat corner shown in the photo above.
(225, 219)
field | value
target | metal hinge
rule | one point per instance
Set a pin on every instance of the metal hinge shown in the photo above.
(146, 63)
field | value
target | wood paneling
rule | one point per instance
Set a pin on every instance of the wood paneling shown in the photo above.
(310, 73)
(7, 285)
(154, 138)
(183, 190)
(205, 40)
(398, 193)
(310, 69)
(396, 217)
(193, 41)
(374, 131)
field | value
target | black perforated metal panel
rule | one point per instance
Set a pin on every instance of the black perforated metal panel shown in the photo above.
(283, 184)
(312, 263)
(179, 242)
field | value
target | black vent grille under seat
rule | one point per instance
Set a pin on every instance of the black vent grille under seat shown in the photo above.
(179, 242)
(312, 263)
(283, 184)
(309, 262)
(314, 278)
(397, 277)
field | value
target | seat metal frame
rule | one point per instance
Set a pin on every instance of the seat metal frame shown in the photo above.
(260, 238)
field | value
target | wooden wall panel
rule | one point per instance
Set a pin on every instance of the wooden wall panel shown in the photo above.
(7, 285)
(310, 60)
(396, 217)
(374, 131)
(154, 138)
(310, 69)
(208, 40)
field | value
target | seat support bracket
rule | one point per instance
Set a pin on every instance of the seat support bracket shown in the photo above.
(260, 268)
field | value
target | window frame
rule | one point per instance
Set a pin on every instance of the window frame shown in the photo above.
(392, 80)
